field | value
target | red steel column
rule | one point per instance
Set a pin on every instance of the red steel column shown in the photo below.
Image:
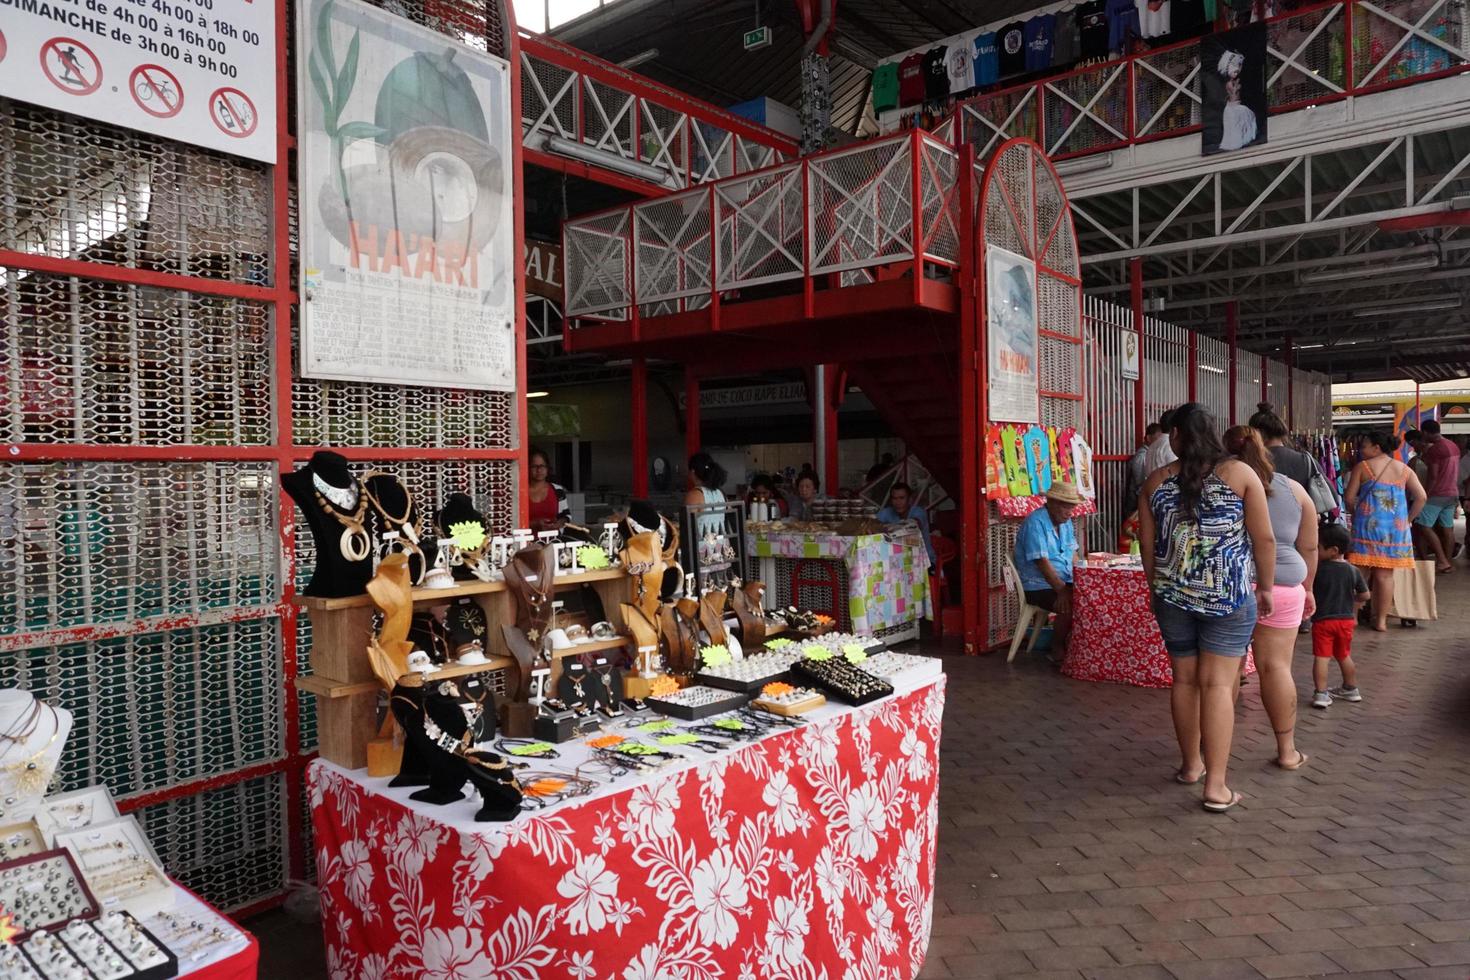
(692, 441)
(1135, 289)
(640, 427)
(972, 556)
(1232, 322)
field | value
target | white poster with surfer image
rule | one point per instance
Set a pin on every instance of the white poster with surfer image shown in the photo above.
(1011, 334)
(408, 256)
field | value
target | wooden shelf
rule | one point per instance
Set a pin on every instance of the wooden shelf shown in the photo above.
(428, 596)
(596, 646)
(325, 687)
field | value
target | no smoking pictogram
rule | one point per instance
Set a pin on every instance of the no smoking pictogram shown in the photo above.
(233, 112)
(156, 90)
(71, 66)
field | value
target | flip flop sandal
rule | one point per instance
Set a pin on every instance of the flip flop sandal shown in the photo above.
(1301, 760)
(1217, 807)
(1179, 778)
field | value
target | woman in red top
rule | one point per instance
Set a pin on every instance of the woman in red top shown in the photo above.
(548, 501)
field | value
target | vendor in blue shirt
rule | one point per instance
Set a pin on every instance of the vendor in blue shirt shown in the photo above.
(1044, 549)
(901, 507)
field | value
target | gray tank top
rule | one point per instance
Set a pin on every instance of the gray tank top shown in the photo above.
(1286, 523)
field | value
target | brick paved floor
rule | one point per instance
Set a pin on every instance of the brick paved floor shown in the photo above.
(1065, 852)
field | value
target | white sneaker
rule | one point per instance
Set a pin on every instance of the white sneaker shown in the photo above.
(1321, 699)
(1346, 694)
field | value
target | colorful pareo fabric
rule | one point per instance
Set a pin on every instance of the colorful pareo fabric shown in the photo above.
(887, 574)
(808, 855)
(1203, 561)
(1381, 533)
(1115, 637)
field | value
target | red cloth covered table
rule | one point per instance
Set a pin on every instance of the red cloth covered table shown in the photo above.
(807, 854)
(1115, 637)
(241, 964)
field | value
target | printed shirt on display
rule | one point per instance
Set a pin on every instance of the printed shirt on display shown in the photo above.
(961, 67)
(1153, 18)
(1011, 42)
(936, 75)
(1038, 34)
(987, 59)
(1092, 26)
(885, 87)
(911, 80)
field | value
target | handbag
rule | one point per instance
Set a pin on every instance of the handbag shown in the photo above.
(1318, 489)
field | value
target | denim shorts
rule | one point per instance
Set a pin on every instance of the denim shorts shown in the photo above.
(1186, 633)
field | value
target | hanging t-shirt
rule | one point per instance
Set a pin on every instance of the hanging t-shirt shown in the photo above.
(1122, 25)
(1013, 454)
(1038, 459)
(1039, 32)
(995, 482)
(1082, 467)
(1068, 44)
(885, 87)
(911, 80)
(1187, 19)
(987, 61)
(936, 75)
(1092, 28)
(1011, 41)
(961, 66)
(1153, 18)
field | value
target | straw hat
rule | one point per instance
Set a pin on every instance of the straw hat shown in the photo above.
(1064, 493)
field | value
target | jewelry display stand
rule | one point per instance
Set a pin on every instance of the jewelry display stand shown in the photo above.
(32, 735)
(336, 510)
(120, 865)
(694, 703)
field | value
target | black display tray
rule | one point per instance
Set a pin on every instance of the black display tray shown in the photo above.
(739, 686)
(161, 971)
(695, 713)
(834, 678)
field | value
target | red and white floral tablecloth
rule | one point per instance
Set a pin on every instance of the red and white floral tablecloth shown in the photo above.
(806, 855)
(1115, 636)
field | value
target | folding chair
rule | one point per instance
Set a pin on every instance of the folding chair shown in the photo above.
(1032, 618)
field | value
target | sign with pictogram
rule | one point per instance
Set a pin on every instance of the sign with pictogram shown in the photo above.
(156, 91)
(147, 65)
(71, 66)
(233, 112)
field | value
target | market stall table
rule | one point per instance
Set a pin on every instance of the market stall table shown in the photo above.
(232, 955)
(811, 849)
(1115, 637)
(871, 584)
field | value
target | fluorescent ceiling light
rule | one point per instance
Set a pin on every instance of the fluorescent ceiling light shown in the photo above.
(1421, 306)
(1357, 272)
(537, 394)
(1212, 369)
(610, 161)
(1084, 165)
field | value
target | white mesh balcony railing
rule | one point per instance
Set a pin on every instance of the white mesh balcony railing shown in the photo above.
(840, 212)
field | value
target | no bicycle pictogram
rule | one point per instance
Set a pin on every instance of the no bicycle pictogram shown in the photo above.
(71, 66)
(233, 112)
(156, 90)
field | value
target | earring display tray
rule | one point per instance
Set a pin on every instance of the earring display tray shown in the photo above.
(120, 865)
(44, 891)
(748, 676)
(75, 810)
(21, 839)
(902, 668)
(796, 702)
(149, 958)
(842, 681)
(697, 702)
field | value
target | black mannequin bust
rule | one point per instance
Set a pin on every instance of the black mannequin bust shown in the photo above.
(392, 508)
(446, 771)
(344, 561)
(458, 509)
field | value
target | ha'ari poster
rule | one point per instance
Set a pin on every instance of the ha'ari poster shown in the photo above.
(1011, 332)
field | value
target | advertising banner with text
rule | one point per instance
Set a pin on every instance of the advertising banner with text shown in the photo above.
(408, 238)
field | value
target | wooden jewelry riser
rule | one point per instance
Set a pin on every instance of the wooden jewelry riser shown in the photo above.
(342, 677)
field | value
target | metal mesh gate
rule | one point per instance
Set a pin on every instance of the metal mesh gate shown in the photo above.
(147, 556)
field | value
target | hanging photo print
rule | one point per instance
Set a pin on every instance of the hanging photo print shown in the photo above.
(1010, 316)
(1233, 73)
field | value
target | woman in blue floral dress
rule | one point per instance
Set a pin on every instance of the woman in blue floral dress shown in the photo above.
(1384, 496)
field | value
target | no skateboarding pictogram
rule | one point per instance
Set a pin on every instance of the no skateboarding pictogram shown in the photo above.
(233, 112)
(71, 66)
(156, 90)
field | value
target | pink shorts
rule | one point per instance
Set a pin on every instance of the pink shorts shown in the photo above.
(1288, 603)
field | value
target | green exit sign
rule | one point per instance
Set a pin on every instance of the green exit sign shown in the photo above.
(758, 38)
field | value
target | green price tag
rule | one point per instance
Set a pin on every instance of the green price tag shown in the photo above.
(678, 738)
(655, 726)
(634, 748)
(592, 557)
(715, 656)
(854, 653)
(778, 643)
(730, 724)
(814, 652)
(535, 748)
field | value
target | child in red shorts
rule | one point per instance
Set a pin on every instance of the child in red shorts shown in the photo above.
(1340, 592)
